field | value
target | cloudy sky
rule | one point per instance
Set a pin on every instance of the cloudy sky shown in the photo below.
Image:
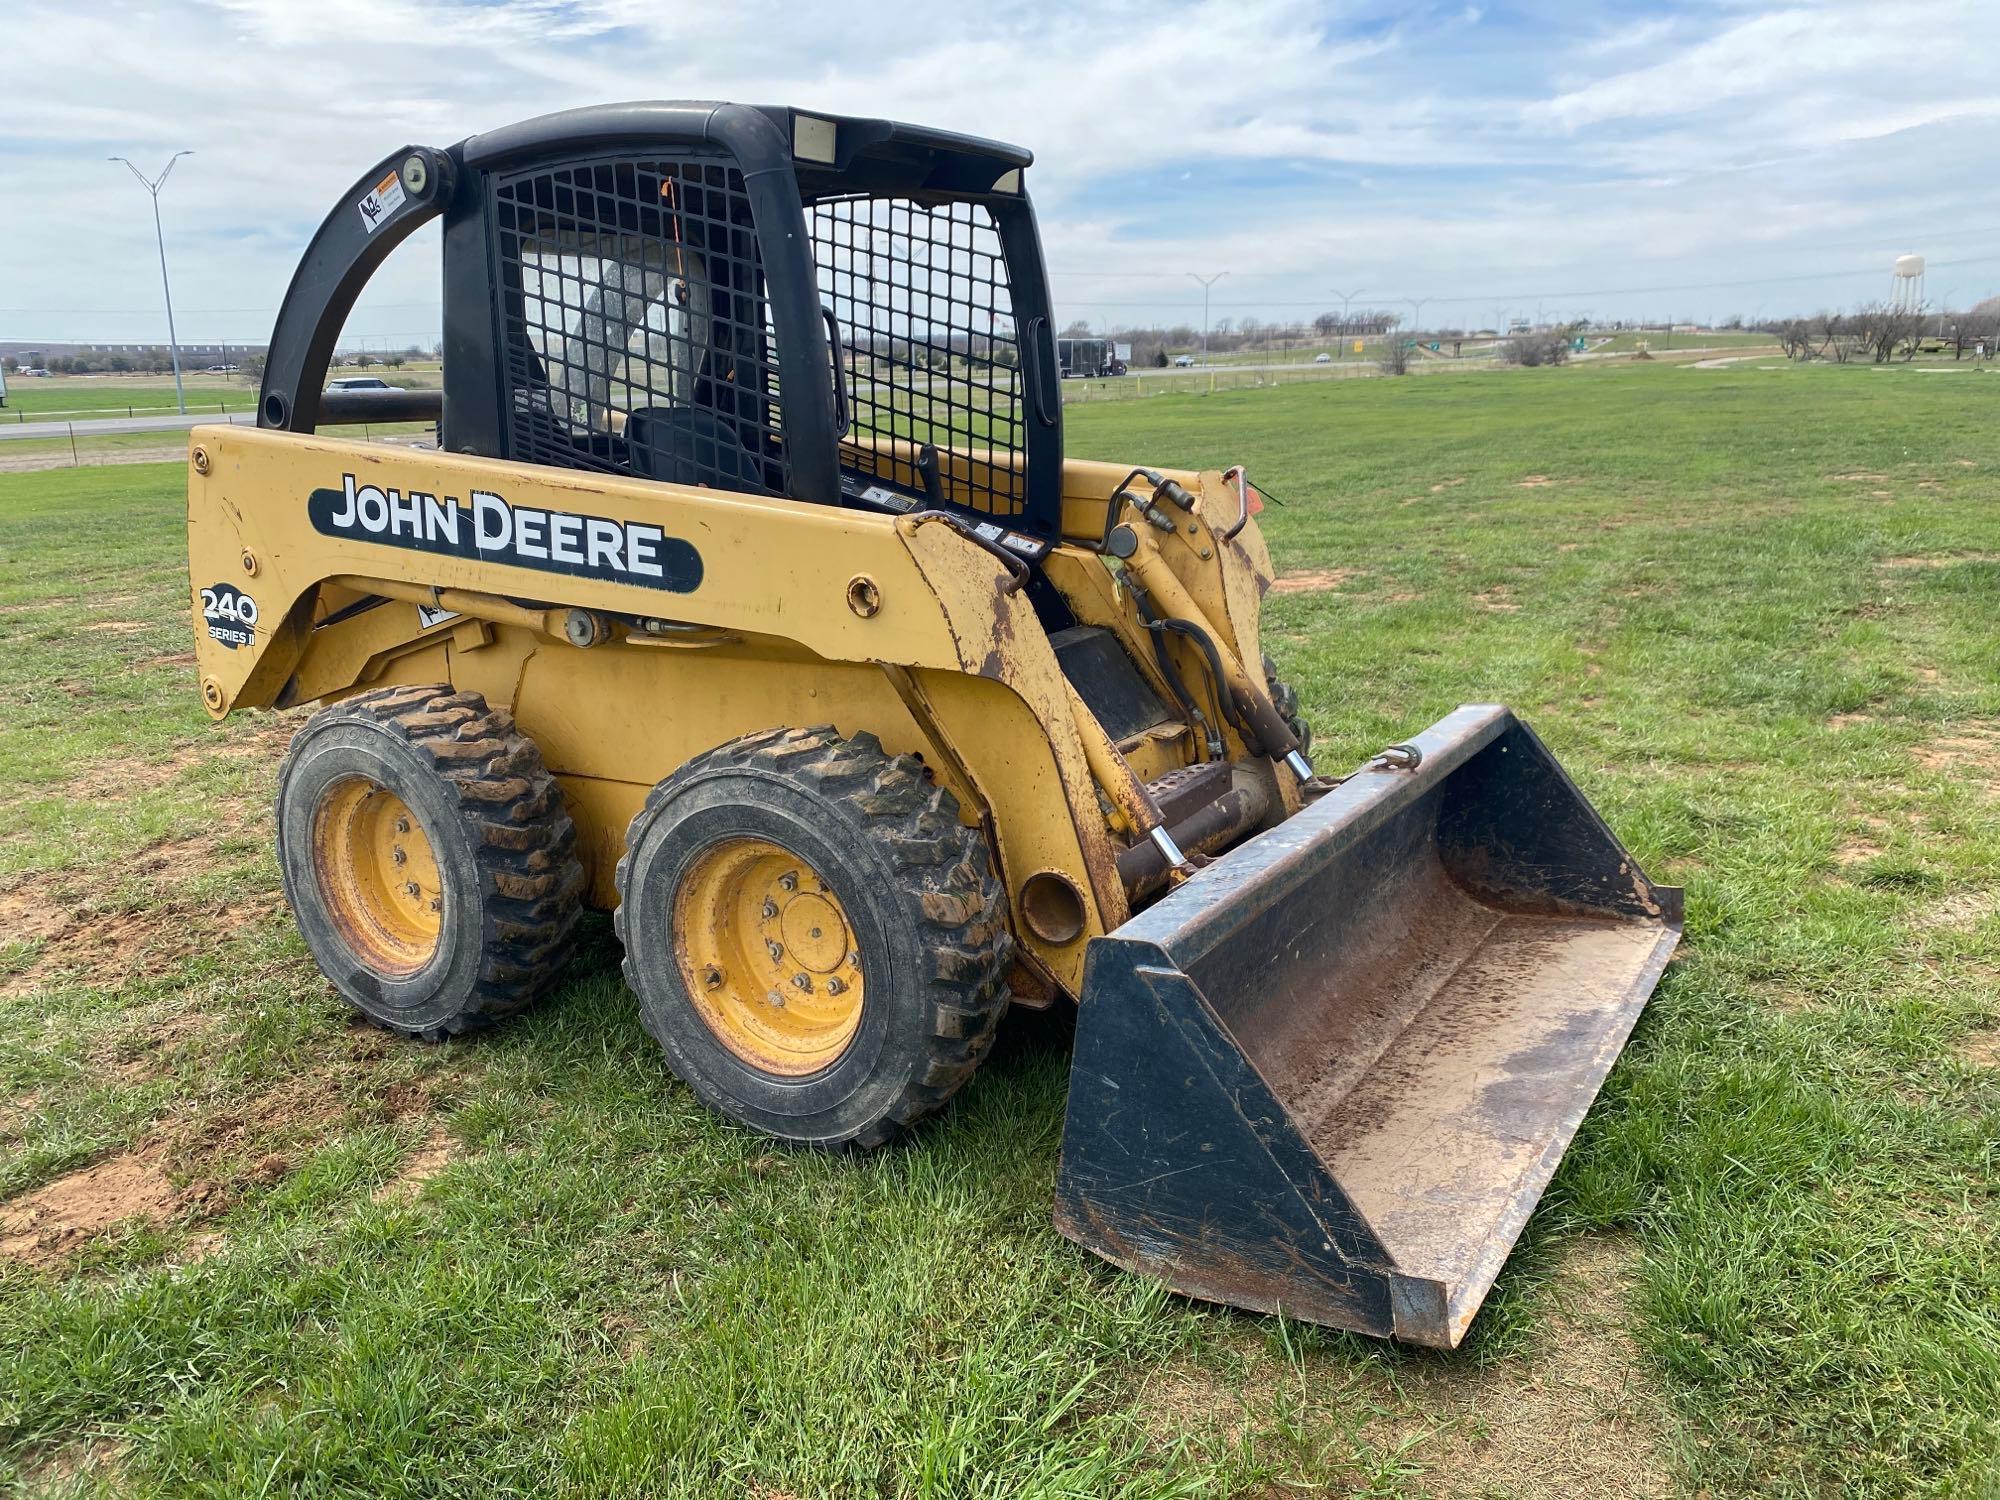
(1615, 159)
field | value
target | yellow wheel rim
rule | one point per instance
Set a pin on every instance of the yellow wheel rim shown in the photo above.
(378, 875)
(766, 951)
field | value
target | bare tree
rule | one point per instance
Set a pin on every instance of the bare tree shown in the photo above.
(1884, 331)
(1795, 337)
(1546, 346)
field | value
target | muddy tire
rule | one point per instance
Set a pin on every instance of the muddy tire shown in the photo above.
(1285, 698)
(817, 943)
(428, 858)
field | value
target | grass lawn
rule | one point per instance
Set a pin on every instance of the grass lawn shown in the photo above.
(1753, 613)
(19, 455)
(34, 399)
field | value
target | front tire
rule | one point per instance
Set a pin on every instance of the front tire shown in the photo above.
(428, 858)
(817, 943)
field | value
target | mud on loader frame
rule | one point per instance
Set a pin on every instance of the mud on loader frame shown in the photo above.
(750, 423)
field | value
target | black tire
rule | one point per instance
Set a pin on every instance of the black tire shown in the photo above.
(1285, 698)
(916, 887)
(509, 883)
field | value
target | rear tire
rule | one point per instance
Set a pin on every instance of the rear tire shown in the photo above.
(748, 861)
(428, 788)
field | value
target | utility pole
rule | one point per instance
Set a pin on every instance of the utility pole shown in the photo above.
(152, 187)
(1345, 298)
(1206, 283)
(1417, 306)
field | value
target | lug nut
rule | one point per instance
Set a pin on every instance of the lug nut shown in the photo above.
(776, 999)
(437, 903)
(773, 947)
(711, 977)
(414, 889)
(836, 986)
(770, 909)
(800, 982)
(402, 825)
(398, 855)
(789, 880)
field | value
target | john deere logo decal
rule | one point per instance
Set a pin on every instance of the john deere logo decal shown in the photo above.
(488, 528)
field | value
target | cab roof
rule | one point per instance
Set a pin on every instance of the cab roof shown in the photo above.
(829, 153)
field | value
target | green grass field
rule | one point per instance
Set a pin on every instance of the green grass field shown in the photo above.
(1752, 612)
(34, 399)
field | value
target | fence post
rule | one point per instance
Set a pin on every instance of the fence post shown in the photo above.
(74, 461)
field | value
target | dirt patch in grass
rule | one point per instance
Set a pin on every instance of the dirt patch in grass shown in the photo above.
(437, 1151)
(56, 1470)
(1962, 911)
(1535, 482)
(31, 915)
(1499, 599)
(109, 940)
(109, 946)
(1982, 1048)
(1314, 580)
(46, 1226)
(1847, 720)
(256, 1140)
(151, 1040)
(1860, 476)
(1856, 851)
(1860, 847)
(264, 738)
(1921, 561)
(1580, 1416)
(1971, 755)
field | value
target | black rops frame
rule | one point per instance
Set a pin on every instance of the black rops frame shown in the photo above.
(871, 156)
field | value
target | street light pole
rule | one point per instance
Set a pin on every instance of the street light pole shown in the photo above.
(152, 187)
(1345, 298)
(1206, 283)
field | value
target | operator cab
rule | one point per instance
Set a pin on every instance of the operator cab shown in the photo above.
(843, 311)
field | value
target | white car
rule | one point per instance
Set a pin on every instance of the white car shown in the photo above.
(361, 383)
(1182, 361)
(1322, 359)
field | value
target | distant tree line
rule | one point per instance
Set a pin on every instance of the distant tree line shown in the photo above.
(1880, 333)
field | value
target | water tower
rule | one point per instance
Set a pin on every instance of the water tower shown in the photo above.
(1907, 290)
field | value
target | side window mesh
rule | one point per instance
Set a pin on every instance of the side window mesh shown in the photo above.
(932, 355)
(637, 331)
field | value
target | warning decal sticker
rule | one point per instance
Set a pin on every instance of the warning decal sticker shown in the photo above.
(385, 199)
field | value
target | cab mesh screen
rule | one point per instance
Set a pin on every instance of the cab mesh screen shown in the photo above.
(928, 341)
(638, 337)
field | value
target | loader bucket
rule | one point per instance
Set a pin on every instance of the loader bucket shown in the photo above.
(1333, 1072)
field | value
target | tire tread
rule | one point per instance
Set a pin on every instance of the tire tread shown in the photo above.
(944, 870)
(524, 841)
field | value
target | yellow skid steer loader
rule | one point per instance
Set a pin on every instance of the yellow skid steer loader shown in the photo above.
(749, 595)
